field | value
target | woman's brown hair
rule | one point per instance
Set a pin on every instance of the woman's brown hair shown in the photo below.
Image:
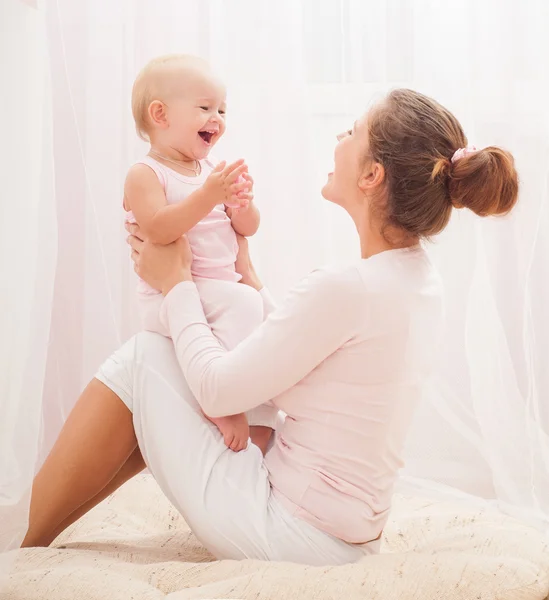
(415, 138)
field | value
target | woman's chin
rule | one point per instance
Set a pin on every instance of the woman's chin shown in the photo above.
(329, 194)
(329, 191)
(326, 191)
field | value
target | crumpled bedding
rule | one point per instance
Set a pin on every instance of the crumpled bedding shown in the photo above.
(136, 546)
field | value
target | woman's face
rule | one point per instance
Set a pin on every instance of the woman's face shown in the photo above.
(349, 156)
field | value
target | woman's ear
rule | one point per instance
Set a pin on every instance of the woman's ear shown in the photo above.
(372, 177)
(157, 114)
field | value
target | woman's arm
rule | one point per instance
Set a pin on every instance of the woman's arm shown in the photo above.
(269, 305)
(319, 316)
(244, 267)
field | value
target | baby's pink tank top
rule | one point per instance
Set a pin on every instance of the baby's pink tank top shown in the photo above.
(212, 240)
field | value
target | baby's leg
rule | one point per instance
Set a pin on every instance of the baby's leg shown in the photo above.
(235, 428)
(149, 311)
(233, 311)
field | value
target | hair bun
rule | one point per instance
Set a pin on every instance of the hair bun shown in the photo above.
(441, 168)
(485, 182)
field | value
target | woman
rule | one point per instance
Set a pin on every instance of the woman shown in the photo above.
(345, 357)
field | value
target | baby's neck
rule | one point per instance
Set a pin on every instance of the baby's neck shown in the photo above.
(175, 160)
(167, 152)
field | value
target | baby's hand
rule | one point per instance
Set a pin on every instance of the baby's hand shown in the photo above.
(246, 195)
(226, 185)
(234, 429)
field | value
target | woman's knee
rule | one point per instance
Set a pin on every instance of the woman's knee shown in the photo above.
(155, 368)
(117, 373)
(149, 347)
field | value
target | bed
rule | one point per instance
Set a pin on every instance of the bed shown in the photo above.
(136, 546)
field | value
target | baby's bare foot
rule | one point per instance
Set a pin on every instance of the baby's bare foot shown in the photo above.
(234, 429)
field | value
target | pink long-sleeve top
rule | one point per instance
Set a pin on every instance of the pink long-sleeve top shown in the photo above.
(345, 357)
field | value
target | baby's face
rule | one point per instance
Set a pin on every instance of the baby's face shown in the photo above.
(195, 114)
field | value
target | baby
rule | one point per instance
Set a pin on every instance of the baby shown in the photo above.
(179, 108)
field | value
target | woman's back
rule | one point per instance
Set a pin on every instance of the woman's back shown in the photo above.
(336, 458)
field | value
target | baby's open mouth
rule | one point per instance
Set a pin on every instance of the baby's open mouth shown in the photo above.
(206, 136)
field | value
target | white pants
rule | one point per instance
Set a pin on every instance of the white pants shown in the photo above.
(233, 311)
(224, 496)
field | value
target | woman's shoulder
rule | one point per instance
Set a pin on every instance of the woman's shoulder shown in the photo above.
(391, 275)
(343, 274)
(400, 277)
(337, 284)
(380, 268)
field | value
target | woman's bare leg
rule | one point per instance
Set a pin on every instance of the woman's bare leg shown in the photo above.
(94, 444)
(133, 466)
(260, 436)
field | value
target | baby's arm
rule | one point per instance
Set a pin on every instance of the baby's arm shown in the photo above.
(245, 220)
(162, 223)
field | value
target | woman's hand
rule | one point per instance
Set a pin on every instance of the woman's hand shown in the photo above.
(244, 265)
(162, 267)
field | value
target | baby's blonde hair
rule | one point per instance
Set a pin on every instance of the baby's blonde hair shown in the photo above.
(150, 85)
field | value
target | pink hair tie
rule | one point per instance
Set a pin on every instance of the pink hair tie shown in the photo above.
(462, 152)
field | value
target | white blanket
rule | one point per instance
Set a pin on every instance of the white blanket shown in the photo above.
(136, 546)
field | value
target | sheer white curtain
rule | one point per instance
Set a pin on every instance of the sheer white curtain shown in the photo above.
(28, 249)
(297, 73)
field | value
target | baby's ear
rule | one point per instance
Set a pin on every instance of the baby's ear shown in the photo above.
(157, 114)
